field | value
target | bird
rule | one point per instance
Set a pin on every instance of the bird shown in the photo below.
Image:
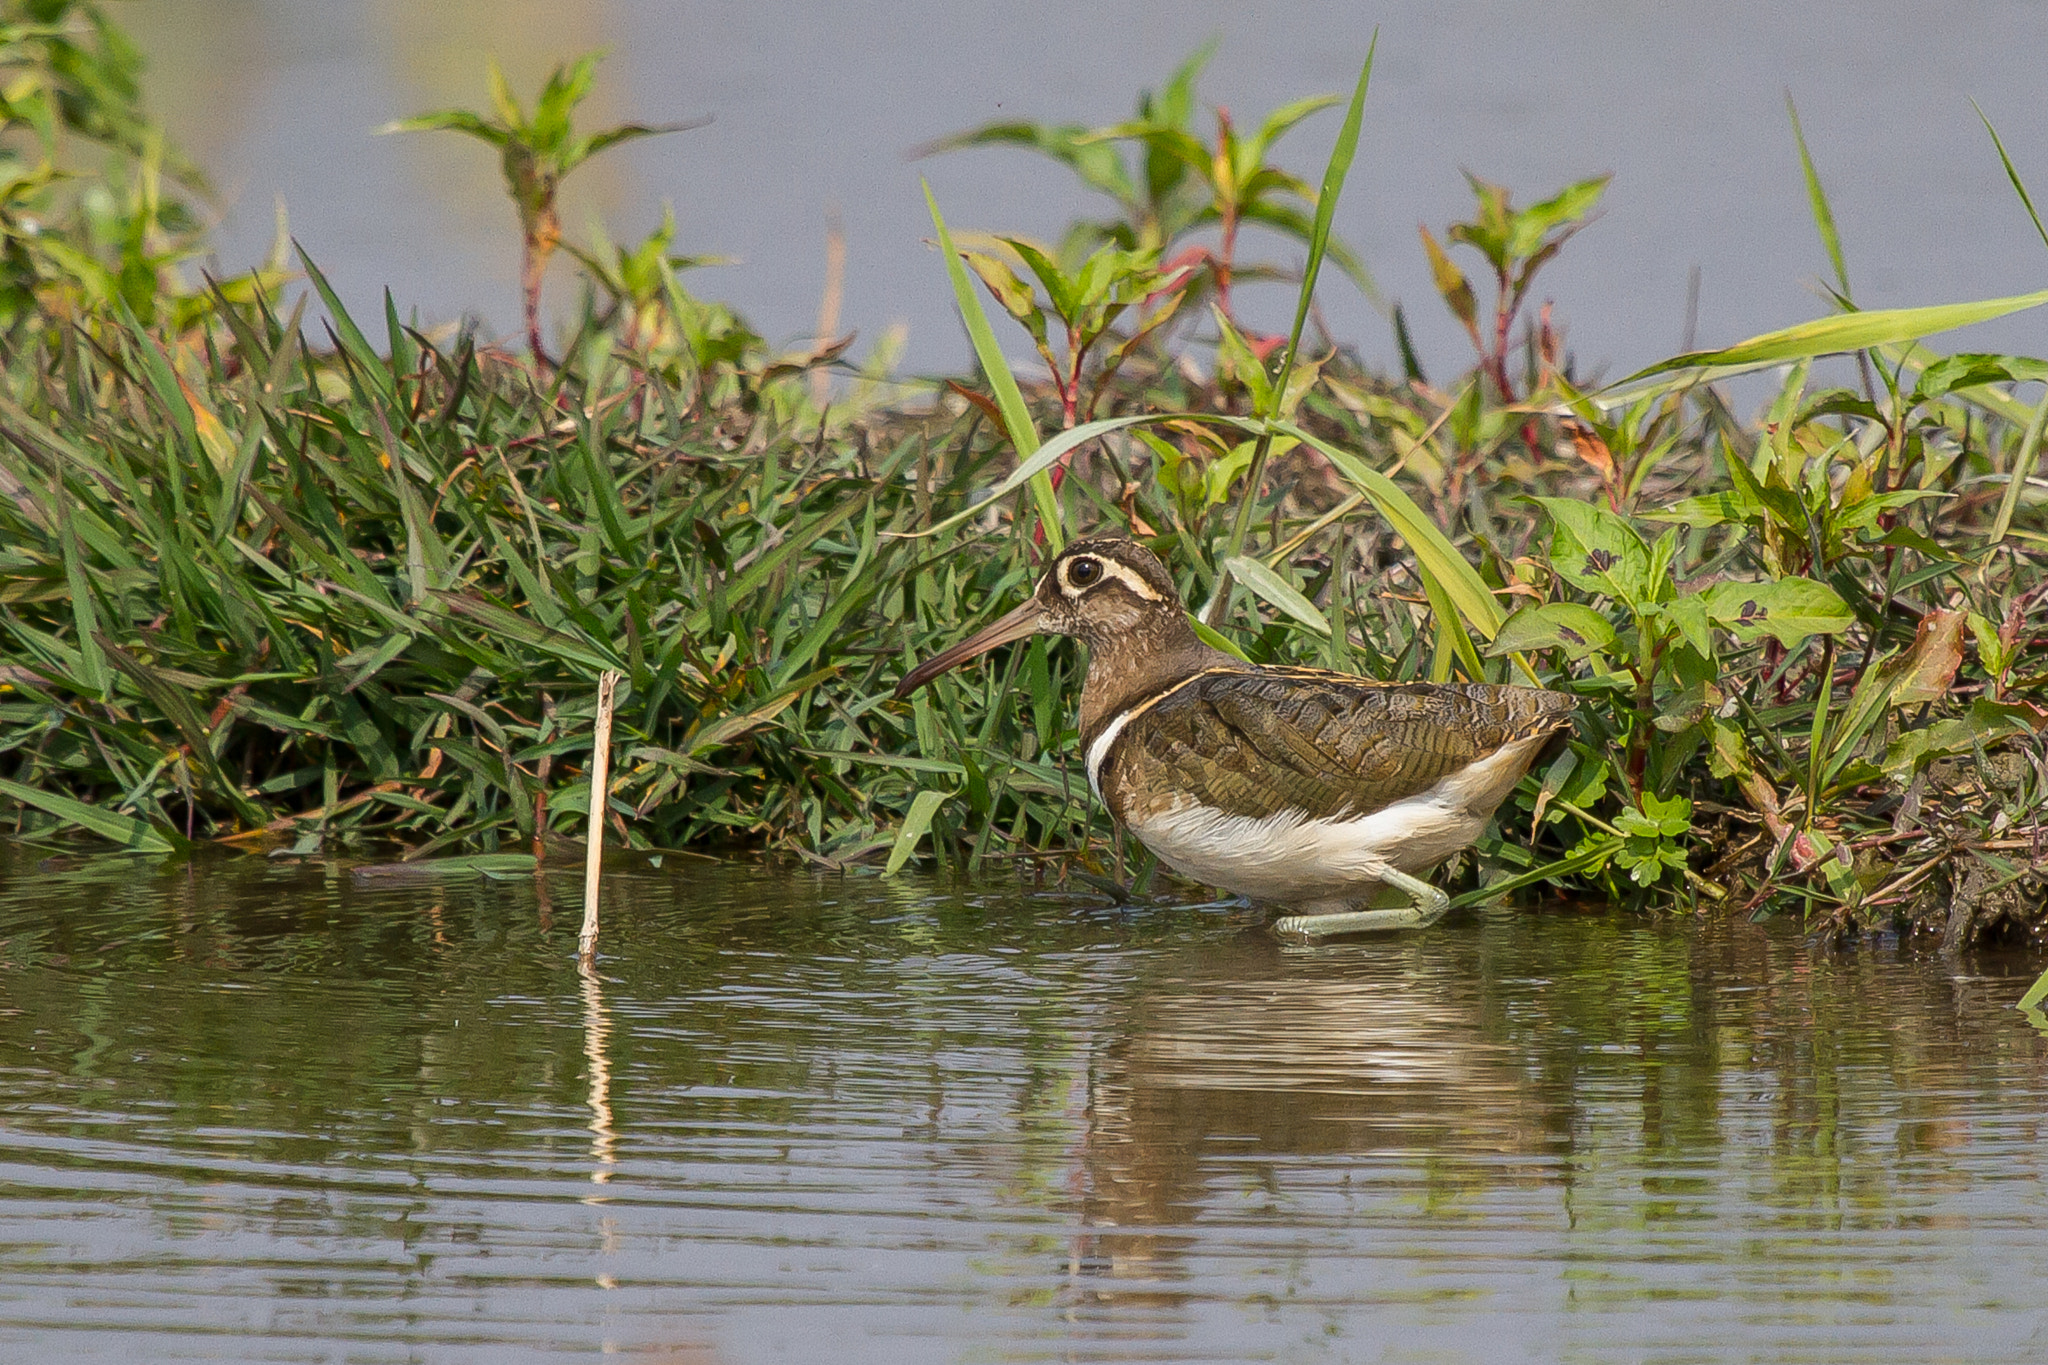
(1301, 788)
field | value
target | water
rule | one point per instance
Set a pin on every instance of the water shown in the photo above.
(277, 1113)
(816, 107)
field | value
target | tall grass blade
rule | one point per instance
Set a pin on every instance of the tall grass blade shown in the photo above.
(2012, 174)
(1823, 215)
(132, 835)
(1319, 242)
(2022, 470)
(1435, 556)
(1043, 459)
(92, 660)
(345, 330)
(1010, 402)
(1326, 210)
(1808, 340)
(1273, 588)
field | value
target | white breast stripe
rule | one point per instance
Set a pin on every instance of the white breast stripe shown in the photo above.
(1099, 750)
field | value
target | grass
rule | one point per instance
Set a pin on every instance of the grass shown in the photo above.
(307, 595)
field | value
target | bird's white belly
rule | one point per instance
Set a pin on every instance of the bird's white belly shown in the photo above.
(1292, 859)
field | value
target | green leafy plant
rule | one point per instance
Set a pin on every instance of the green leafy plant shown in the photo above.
(1515, 244)
(80, 245)
(536, 152)
(1175, 185)
(1071, 311)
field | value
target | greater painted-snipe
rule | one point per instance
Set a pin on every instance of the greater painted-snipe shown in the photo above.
(1295, 786)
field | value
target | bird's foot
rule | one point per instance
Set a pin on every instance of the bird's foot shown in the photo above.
(1429, 907)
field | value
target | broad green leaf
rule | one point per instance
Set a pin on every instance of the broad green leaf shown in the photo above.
(1787, 609)
(1709, 509)
(1596, 551)
(1578, 630)
(1563, 209)
(1689, 615)
(1969, 370)
(1984, 724)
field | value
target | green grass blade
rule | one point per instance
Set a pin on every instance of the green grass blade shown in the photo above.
(2019, 187)
(2022, 469)
(2036, 993)
(1009, 398)
(133, 835)
(915, 825)
(1043, 459)
(1269, 585)
(85, 617)
(1823, 336)
(1326, 210)
(1823, 216)
(1319, 242)
(352, 339)
(1434, 554)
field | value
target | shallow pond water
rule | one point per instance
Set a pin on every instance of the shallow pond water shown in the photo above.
(256, 1111)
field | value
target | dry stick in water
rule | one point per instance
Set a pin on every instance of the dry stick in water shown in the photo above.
(600, 800)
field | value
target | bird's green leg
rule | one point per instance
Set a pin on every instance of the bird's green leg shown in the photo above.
(1430, 906)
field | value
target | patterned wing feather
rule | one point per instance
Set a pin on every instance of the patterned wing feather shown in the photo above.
(1326, 744)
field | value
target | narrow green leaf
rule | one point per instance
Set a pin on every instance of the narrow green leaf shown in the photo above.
(1434, 554)
(1216, 639)
(1010, 402)
(2036, 993)
(85, 617)
(1817, 198)
(133, 835)
(352, 339)
(2022, 470)
(1326, 209)
(2012, 174)
(1041, 460)
(916, 823)
(1825, 336)
(1268, 584)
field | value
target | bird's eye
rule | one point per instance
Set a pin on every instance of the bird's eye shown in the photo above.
(1084, 572)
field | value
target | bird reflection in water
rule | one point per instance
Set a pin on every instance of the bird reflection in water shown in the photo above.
(1360, 1053)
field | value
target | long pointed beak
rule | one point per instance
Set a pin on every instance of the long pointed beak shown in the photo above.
(1025, 620)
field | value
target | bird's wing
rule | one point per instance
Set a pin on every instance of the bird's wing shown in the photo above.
(1326, 744)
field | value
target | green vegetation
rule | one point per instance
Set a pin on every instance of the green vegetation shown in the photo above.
(349, 596)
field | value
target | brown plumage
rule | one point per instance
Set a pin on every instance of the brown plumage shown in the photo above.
(1294, 785)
